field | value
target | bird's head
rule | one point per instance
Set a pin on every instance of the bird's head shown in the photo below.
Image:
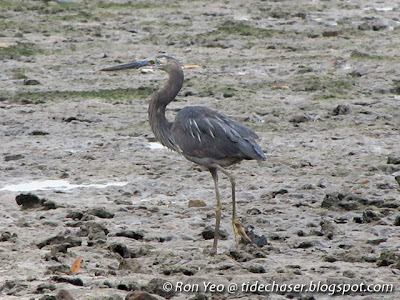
(162, 62)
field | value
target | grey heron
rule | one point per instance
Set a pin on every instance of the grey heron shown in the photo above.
(202, 135)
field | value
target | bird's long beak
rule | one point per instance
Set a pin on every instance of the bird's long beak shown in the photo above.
(133, 65)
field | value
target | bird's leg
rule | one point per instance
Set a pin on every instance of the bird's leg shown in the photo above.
(238, 228)
(218, 207)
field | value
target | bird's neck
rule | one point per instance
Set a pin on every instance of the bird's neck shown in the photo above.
(159, 124)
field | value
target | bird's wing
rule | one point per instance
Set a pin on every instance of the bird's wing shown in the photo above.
(239, 128)
(204, 133)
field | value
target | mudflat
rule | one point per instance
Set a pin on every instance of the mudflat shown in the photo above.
(82, 176)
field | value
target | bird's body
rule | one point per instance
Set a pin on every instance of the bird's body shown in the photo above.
(202, 135)
(207, 137)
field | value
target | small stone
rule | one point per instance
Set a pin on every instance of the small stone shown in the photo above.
(140, 295)
(259, 240)
(396, 221)
(89, 157)
(330, 258)
(196, 203)
(240, 255)
(199, 296)
(375, 25)
(28, 201)
(58, 269)
(341, 220)
(341, 110)
(70, 119)
(228, 95)
(179, 269)
(376, 241)
(308, 186)
(348, 205)
(13, 157)
(208, 233)
(128, 286)
(316, 233)
(395, 160)
(356, 53)
(41, 288)
(364, 26)
(331, 33)
(101, 213)
(304, 70)
(62, 248)
(112, 297)
(7, 236)
(293, 266)
(31, 82)
(74, 281)
(131, 234)
(387, 258)
(75, 215)
(131, 264)
(349, 274)
(49, 204)
(254, 211)
(93, 229)
(97, 231)
(301, 15)
(313, 35)
(39, 132)
(98, 55)
(256, 268)
(276, 237)
(384, 186)
(11, 287)
(306, 244)
(370, 216)
(346, 202)
(331, 199)
(122, 250)
(155, 286)
(299, 119)
(189, 93)
(397, 178)
(47, 297)
(225, 267)
(279, 192)
(64, 295)
(60, 239)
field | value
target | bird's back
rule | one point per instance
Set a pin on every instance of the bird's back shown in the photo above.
(207, 137)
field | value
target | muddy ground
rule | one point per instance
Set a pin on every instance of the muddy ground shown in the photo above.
(319, 81)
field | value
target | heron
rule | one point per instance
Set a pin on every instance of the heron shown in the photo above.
(202, 135)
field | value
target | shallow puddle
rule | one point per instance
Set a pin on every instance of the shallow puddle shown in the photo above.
(155, 146)
(54, 184)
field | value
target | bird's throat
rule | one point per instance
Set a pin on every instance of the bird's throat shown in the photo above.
(159, 124)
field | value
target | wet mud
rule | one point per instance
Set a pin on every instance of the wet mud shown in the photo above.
(317, 80)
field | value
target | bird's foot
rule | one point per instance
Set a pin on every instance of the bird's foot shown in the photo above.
(239, 230)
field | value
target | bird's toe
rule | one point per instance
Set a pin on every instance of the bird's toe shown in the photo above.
(239, 230)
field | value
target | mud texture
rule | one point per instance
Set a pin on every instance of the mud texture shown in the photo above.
(319, 81)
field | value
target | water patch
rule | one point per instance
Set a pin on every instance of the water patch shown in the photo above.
(155, 146)
(54, 184)
(381, 9)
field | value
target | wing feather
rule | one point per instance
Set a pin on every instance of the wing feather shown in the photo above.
(204, 133)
